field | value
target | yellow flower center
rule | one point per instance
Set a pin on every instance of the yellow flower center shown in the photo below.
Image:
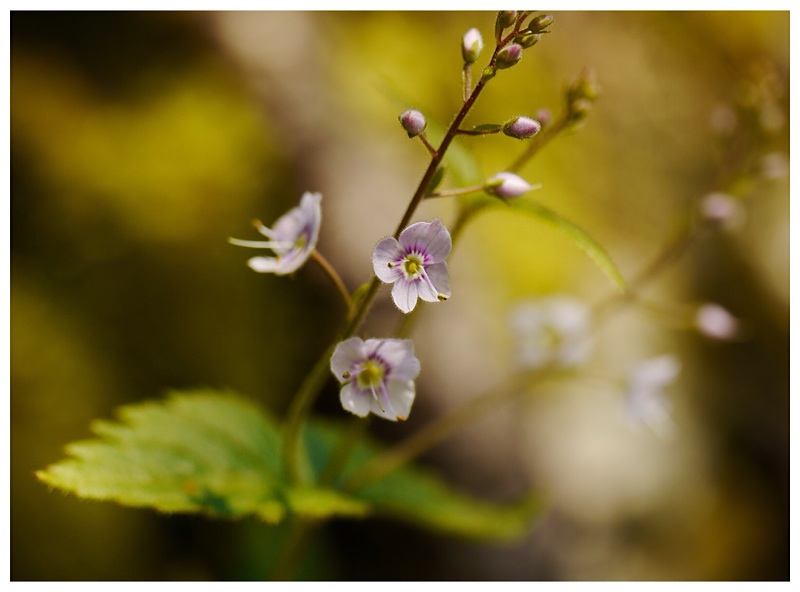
(412, 265)
(371, 375)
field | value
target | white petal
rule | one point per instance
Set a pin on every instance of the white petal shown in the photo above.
(399, 356)
(402, 394)
(404, 294)
(387, 251)
(264, 264)
(440, 278)
(347, 354)
(355, 401)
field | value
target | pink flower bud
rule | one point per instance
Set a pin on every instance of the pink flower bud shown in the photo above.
(507, 185)
(471, 46)
(509, 56)
(413, 122)
(521, 127)
(544, 116)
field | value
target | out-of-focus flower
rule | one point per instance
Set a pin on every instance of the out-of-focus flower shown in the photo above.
(507, 185)
(415, 264)
(721, 208)
(471, 46)
(715, 322)
(292, 238)
(377, 375)
(774, 165)
(645, 400)
(413, 122)
(552, 330)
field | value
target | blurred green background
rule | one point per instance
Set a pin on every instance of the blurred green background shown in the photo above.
(141, 141)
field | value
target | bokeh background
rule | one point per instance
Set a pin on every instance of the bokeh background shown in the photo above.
(141, 141)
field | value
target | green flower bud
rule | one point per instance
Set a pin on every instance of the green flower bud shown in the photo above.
(540, 23)
(508, 56)
(505, 18)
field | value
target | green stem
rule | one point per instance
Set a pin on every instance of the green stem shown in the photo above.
(310, 388)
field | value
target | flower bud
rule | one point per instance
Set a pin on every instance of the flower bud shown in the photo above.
(540, 23)
(527, 41)
(521, 127)
(507, 185)
(471, 45)
(508, 56)
(504, 19)
(413, 122)
(715, 322)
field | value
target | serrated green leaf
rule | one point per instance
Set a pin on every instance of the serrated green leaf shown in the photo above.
(218, 454)
(579, 236)
(194, 452)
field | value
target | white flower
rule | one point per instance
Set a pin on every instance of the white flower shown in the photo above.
(645, 400)
(552, 330)
(415, 264)
(377, 375)
(292, 238)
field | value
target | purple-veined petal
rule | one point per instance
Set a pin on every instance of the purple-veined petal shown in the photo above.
(356, 401)
(346, 355)
(404, 294)
(387, 251)
(430, 238)
(399, 357)
(440, 278)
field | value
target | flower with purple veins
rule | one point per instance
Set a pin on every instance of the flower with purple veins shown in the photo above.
(292, 238)
(414, 263)
(377, 375)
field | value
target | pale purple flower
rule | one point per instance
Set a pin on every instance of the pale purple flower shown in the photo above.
(415, 264)
(377, 375)
(292, 238)
(645, 400)
(507, 185)
(552, 330)
(715, 322)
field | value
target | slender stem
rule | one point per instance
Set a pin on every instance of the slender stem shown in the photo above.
(334, 277)
(467, 78)
(454, 192)
(312, 385)
(348, 441)
(427, 143)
